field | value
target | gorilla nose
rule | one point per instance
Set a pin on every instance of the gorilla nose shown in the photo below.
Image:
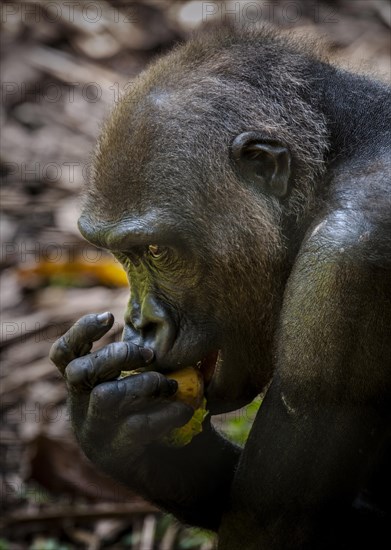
(154, 326)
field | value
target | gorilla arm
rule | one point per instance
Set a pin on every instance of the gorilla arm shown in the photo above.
(196, 479)
(325, 415)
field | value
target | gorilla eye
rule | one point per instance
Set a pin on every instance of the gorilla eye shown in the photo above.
(155, 251)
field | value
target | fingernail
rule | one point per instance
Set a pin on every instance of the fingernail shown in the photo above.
(173, 385)
(104, 318)
(147, 354)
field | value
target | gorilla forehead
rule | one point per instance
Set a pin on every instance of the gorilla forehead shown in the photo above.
(160, 149)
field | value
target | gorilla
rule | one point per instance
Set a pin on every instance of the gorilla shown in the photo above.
(243, 182)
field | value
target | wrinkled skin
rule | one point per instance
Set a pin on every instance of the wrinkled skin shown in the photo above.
(244, 186)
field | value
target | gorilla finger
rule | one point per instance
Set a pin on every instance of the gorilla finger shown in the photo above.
(148, 385)
(119, 398)
(77, 341)
(84, 373)
(157, 423)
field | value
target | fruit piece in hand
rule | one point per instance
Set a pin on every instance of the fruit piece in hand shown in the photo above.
(190, 391)
(179, 437)
(190, 386)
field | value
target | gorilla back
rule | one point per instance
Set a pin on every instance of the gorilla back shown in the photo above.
(244, 184)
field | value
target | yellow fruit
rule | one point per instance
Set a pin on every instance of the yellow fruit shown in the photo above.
(179, 437)
(125, 373)
(190, 391)
(190, 386)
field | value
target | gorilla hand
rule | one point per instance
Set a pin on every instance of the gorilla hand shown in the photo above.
(114, 420)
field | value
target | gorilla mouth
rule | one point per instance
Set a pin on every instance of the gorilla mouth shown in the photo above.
(207, 366)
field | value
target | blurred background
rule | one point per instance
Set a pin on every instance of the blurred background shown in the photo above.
(63, 65)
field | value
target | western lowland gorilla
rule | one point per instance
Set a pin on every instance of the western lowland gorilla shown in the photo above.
(244, 184)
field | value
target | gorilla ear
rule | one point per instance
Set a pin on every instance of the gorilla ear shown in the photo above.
(263, 162)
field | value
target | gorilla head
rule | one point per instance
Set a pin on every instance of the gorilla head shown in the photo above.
(204, 177)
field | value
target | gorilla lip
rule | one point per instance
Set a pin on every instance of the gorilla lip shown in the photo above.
(207, 366)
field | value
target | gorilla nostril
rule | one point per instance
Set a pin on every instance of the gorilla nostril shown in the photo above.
(149, 331)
